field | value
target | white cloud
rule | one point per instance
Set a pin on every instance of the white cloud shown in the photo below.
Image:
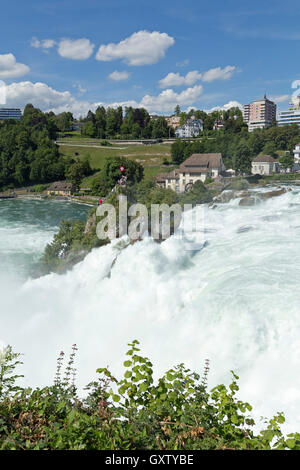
(175, 79)
(38, 94)
(118, 76)
(76, 49)
(168, 99)
(10, 68)
(80, 89)
(226, 107)
(183, 63)
(43, 44)
(141, 48)
(280, 99)
(219, 74)
(48, 99)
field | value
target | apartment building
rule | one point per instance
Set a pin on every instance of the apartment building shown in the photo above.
(260, 114)
(10, 113)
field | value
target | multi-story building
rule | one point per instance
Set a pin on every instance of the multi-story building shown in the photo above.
(173, 121)
(191, 128)
(260, 114)
(289, 117)
(10, 113)
(294, 103)
(197, 167)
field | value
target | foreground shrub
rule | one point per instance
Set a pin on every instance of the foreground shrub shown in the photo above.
(177, 412)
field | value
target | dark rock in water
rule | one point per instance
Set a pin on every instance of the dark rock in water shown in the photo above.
(277, 192)
(247, 201)
(241, 194)
(245, 228)
(224, 197)
(270, 218)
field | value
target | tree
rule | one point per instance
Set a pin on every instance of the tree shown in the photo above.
(75, 174)
(270, 149)
(242, 158)
(177, 110)
(110, 174)
(89, 129)
(160, 128)
(177, 152)
(287, 161)
(64, 121)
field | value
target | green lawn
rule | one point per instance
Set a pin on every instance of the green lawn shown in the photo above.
(150, 156)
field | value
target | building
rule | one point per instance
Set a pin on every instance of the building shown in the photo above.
(289, 117)
(294, 103)
(218, 125)
(197, 167)
(260, 114)
(161, 179)
(7, 114)
(264, 165)
(76, 126)
(60, 188)
(297, 153)
(292, 116)
(173, 121)
(191, 128)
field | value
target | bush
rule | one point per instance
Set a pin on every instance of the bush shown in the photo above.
(105, 143)
(177, 412)
(239, 184)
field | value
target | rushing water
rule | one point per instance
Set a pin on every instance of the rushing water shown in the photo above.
(236, 302)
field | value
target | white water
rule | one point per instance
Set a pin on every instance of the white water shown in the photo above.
(236, 302)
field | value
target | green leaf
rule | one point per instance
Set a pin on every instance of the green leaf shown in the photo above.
(143, 387)
(116, 398)
(290, 443)
(127, 363)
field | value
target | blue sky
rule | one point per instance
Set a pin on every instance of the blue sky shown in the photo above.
(236, 51)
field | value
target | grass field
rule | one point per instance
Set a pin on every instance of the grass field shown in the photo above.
(150, 156)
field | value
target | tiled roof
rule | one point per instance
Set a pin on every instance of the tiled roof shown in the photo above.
(202, 160)
(264, 159)
(173, 175)
(60, 186)
(161, 177)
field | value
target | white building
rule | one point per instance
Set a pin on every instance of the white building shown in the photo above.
(10, 114)
(289, 117)
(197, 167)
(264, 165)
(191, 128)
(297, 153)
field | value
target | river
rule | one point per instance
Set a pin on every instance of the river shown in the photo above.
(236, 301)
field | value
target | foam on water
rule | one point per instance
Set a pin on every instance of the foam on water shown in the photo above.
(237, 302)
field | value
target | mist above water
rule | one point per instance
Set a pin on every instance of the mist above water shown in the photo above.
(236, 302)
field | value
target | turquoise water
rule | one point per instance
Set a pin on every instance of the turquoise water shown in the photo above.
(25, 229)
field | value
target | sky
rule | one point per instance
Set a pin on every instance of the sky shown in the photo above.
(71, 55)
